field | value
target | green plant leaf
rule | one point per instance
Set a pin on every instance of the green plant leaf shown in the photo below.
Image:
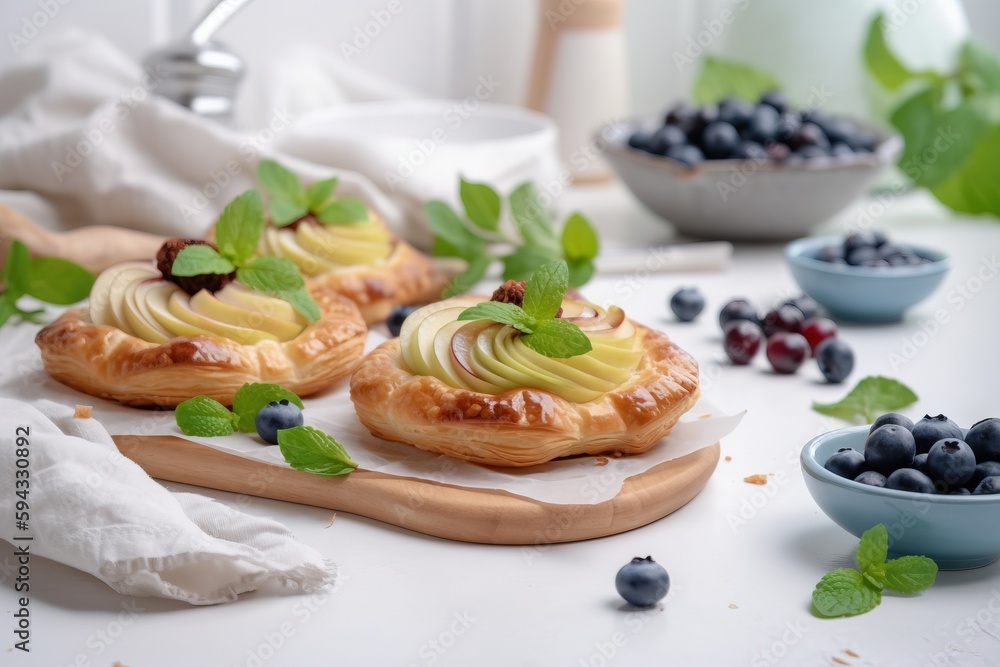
(545, 289)
(466, 280)
(972, 186)
(451, 237)
(280, 182)
(881, 62)
(579, 240)
(240, 226)
(17, 270)
(520, 264)
(873, 547)
(871, 397)
(196, 260)
(302, 302)
(310, 450)
(59, 281)
(284, 212)
(844, 592)
(204, 417)
(252, 396)
(532, 220)
(910, 574)
(580, 271)
(7, 308)
(343, 211)
(319, 192)
(504, 313)
(278, 276)
(558, 339)
(719, 78)
(482, 204)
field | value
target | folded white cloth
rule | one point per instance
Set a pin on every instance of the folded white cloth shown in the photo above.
(93, 509)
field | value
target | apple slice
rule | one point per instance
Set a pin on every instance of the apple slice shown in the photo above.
(307, 262)
(142, 322)
(107, 296)
(239, 295)
(339, 249)
(179, 304)
(158, 300)
(205, 303)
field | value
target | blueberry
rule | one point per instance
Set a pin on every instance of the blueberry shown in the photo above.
(810, 152)
(681, 115)
(736, 111)
(788, 124)
(838, 130)
(806, 305)
(929, 430)
(846, 462)
(276, 416)
(775, 99)
(809, 134)
(704, 117)
(858, 256)
(920, 463)
(666, 138)
(749, 150)
(687, 303)
(737, 309)
(642, 582)
(719, 140)
(984, 438)
(640, 140)
(988, 486)
(892, 418)
(983, 470)
(835, 359)
(840, 149)
(950, 463)
(908, 479)
(763, 125)
(889, 448)
(960, 491)
(871, 478)
(860, 240)
(778, 151)
(397, 317)
(831, 253)
(686, 154)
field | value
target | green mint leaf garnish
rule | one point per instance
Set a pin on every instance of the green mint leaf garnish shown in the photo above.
(16, 271)
(844, 592)
(558, 339)
(49, 279)
(252, 396)
(533, 221)
(910, 574)
(280, 182)
(452, 237)
(310, 450)
(482, 204)
(279, 277)
(284, 212)
(240, 227)
(544, 291)
(343, 211)
(873, 547)
(719, 78)
(7, 309)
(579, 239)
(467, 279)
(204, 417)
(504, 313)
(319, 192)
(871, 397)
(196, 260)
(881, 62)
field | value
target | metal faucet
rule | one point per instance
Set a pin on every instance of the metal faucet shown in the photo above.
(198, 73)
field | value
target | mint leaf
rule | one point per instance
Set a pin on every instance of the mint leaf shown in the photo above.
(58, 281)
(7, 308)
(844, 592)
(981, 66)
(520, 264)
(310, 450)
(580, 271)
(452, 238)
(466, 280)
(195, 260)
(579, 240)
(873, 547)
(532, 220)
(545, 289)
(278, 276)
(910, 574)
(284, 212)
(558, 339)
(482, 204)
(302, 302)
(204, 417)
(240, 226)
(280, 182)
(16, 270)
(319, 192)
(881, 62)
(343, 211)
(504, 313)
(871, 397)
(252, 396)
(719, 78)
(972, 186)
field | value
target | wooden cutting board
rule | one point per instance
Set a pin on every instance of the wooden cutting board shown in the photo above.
(486, 516)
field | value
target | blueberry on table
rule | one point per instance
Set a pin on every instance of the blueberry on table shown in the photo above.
(988, 486)
(835, 359)
(846, 462)
(741, 340)
(892, 418)
(687, 303)
(929, 430)
(908, 479)
(277, 416)
(666, 138)
(890, 448)
(783, 318)
(871, 478)
(719, 140)
(686, 154)
(396, 318)
(984, 438)
(642, 582)
(786, 351)
(738, 309)
(950, 463)
(775, 99)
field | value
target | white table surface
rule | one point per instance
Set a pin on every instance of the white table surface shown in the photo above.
(743, 559)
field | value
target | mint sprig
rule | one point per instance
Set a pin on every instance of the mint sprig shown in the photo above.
(205, 417)
(848, 592)
(871, 397)
(291, 201)
(536, 318)
(310, 450)
(718, 78)
(481, 238)
(49, 279)
(252, 396)
(237, 235)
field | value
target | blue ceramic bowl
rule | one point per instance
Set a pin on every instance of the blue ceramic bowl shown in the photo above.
(958, 532)
(863, 293)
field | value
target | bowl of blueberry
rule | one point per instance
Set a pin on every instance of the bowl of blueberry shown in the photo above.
(935, 486)
(865, 277)
(741, 170)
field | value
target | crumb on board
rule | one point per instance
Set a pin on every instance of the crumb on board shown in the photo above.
(707, 415)
(118, 664)
(82, 411)
(729, 458)
(851, 653)
(733, 605)
(760, 479)
(839, 661)
(602, 460)
(616, 454)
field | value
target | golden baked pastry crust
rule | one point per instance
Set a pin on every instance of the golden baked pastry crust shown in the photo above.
(524, 427)
(105, 361)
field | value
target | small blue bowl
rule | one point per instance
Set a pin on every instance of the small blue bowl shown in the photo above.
(863, 293)
(958, 532)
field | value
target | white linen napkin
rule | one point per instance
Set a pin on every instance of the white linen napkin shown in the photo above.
(91, 508)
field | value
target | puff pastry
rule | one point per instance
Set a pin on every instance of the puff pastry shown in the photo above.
(524, 427)
(105, 361)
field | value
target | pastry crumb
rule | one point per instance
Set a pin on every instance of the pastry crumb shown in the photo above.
(332, 519)
(602, 460)
(617, 454)
(118, 664)
(839, 661)
(729, 458)
(733, 605)
(851, 653)
(760, 479)
(707, 415)
(82, 411)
